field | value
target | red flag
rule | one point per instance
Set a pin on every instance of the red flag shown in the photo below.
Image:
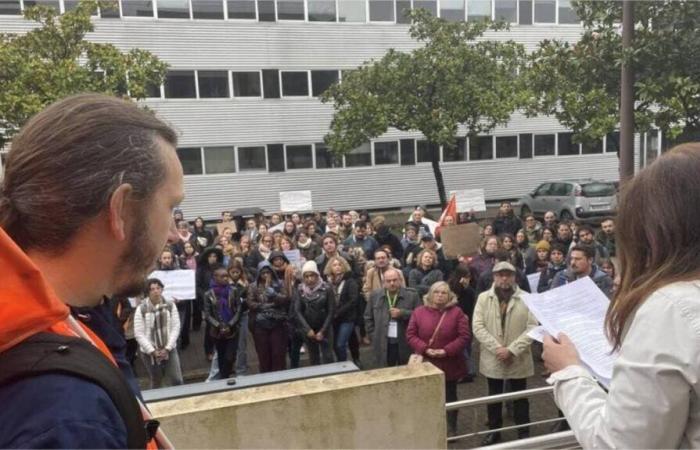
(450, 210)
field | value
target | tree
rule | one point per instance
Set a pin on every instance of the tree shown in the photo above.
(579, 83)
(452, 80)
(54, 60)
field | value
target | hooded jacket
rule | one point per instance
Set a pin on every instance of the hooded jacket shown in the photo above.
(268, 305)
(50, 410)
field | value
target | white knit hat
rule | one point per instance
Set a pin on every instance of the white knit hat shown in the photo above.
(310, 266)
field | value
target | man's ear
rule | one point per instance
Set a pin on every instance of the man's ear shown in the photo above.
(119, 211)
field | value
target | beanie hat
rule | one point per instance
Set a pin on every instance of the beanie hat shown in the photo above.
(542, 245)
(310, 266)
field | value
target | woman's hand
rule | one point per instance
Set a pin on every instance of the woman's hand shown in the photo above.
(559, 354)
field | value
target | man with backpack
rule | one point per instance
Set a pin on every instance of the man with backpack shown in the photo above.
(85, 209)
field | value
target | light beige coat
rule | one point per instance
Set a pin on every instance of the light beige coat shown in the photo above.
(487, 329)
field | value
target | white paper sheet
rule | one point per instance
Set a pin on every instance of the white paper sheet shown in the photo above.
(533, 280)
(295, 201)
(578, 309)
(178, 284)
(537, 333)
(470, 199)
(393, 331)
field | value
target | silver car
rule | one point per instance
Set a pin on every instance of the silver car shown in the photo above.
(586, 200)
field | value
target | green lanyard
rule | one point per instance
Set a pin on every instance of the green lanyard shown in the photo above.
(391, 301)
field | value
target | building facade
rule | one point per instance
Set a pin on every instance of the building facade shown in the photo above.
(243, 89)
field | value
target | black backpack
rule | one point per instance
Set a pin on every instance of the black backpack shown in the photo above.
(46, 353)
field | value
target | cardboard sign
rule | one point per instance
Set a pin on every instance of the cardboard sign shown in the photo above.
(295, 201)
(469, 199)
(460, 240)
(179, 284)
(220, 227)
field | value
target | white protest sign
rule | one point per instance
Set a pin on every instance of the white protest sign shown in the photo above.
(534, 279)
(178, 284)
(470, 199)
(278, 227)
(294, 257)
(578, 309)
(295, 201)
(432, 225)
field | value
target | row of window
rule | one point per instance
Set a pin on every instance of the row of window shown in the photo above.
(404, 152)
(524, 12)
(267, 83)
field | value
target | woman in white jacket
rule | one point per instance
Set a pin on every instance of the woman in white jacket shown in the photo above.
(654, 320)
(156, 329)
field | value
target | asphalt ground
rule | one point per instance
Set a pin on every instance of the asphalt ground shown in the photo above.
(195, 368)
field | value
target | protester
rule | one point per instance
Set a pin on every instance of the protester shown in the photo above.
(653, 397)
(185, 236)
(384, 236)
(501, 323)
(314, 306)
(374, 278)
(439, 331)
(548, 234)
(508, 244)
(484, 261)
(339, 276)
(586, 237)
(532, 229)
(564, 235)
(425, 273)
(223, 305)
(606, 236)
(541, 261)
(487, 231)
(360, 239)
(581, 264)
(268, 302)
(203, 237)
(290, 230)
(410, 241)
(167, 261)
(210, 259)
(460, 283)
(550, 220)
(239, 278)
(156, 329)
(262, 252)
(330, 249)
(417, 222)
(308, 247)
(386, 318)
(557, 263)
(506, 221)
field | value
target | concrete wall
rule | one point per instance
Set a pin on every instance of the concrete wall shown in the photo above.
(401, 407)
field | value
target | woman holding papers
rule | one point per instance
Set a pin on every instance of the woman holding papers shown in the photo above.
(654, 320)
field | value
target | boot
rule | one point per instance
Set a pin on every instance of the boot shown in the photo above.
(490, 439)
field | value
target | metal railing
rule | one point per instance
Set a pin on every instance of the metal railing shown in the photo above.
(557, 439)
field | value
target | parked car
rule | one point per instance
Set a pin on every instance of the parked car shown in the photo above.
(586, 200)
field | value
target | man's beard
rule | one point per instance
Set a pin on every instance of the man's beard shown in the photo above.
(137, 261)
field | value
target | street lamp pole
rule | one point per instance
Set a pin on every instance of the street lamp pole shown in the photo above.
(627, 96)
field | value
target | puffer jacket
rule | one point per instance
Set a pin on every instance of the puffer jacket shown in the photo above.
(491, 335)
(315, 311)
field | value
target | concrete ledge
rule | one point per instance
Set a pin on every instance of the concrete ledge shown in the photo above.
(401, 407)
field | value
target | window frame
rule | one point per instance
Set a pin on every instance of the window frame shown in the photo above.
(224, 7)
(196, 85)
(304, 14)
(374, 153)
(245, 97)
(308, 83)
(238, 19)
(368, 16)
(201, 160)
(204, 159)
(517, 12)
(154, 11)
(228, 84)
(295, 169)
(257, 170)
(364, 22)
(534, 149)
(157, 16)
(534, 14)
(517, 146)
(493, 148)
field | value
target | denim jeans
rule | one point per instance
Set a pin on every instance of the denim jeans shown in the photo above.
(343, 331)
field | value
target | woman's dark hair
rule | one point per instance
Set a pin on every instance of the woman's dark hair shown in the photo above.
(657, 233)
(150, 282)
(67, 161)
(461, 271)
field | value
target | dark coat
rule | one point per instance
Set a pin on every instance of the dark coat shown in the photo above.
(268, 305)
(314, 312)
(384, 236)
(203, 274)
(348, 301)
(507, 224)
(421, 280)
(548, 275)
(236, 303)
(377, 323)
(453, 337)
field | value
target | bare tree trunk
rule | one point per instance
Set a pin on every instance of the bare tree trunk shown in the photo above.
(437, 171)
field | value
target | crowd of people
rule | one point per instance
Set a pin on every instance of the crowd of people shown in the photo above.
(356, 281)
